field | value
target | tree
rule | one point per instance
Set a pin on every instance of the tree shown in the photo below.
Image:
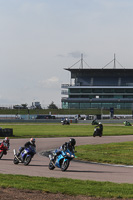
(24, 105)
(52, 106)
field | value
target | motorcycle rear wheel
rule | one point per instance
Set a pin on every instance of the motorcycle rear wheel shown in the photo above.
(1, 154)
(65, 165)
(27, 159)
(15, 161)
(51, 166)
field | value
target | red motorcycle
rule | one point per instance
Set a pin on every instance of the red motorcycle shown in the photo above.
(3, 149)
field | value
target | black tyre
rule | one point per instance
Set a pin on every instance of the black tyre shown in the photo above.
(100, 134)
(51, 165)
(27, 159)
(1, 154)
(15, 161)
(94, 134)
(65, 165)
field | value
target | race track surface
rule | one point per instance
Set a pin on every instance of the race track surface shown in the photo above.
(76, 170)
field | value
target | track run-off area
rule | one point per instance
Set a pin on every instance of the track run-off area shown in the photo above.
(76, 170)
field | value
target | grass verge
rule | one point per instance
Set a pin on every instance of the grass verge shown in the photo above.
(116, 153)
(68, 186)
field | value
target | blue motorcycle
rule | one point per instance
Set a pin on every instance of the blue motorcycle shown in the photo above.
(25, 156)
(62, 160)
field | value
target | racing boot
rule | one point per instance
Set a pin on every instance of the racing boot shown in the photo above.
(51, 157)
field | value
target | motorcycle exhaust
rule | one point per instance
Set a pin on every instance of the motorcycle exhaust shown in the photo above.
(50, 157)
(15, 152)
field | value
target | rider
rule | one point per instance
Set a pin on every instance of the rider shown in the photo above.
(26, 145)
(100, 127)
(67, 145)
(66, 121)
(6, 142)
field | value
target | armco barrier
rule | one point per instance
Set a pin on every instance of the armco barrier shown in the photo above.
(6, 132)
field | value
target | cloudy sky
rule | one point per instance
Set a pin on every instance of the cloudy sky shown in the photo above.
(39, 38)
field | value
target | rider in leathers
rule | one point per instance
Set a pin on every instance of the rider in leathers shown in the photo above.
(26, 145)
(100, 128)
(67, 145)
(6, 142)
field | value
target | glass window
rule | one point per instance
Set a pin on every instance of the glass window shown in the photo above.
(119, 90)
(97, 90)
(129, 90)
(65, 105)
(118, 96)
(84, 105)
(108, 90)
(74, 90)
(128, 96)
(95, 105)
(86, 90)
(84, 96)
(107, 96)
(74, 105)
(74, 96)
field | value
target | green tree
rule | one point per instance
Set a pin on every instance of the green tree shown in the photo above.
(52, 106)
(24, 105)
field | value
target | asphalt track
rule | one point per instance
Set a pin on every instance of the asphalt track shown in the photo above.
(76, 170)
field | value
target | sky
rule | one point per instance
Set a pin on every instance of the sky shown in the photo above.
(40, 38)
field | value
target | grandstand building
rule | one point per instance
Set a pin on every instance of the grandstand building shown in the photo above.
(98, 88)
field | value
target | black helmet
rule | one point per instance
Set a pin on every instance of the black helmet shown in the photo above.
(72, 141)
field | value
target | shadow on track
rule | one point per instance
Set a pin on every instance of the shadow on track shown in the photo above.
(88, 171)
(6, 159)
(37, 165)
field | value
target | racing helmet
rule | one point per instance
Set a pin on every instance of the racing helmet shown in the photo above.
(6, 140)
(72, 141)
(32, 140)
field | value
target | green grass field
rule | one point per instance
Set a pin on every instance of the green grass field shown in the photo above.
(57, 130)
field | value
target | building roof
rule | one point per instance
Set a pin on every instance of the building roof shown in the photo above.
(101, 72)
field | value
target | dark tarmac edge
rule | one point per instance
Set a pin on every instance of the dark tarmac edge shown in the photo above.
(47, 153)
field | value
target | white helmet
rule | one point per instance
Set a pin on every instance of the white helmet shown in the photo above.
(32, 140)
(6, 140)
(100, 123)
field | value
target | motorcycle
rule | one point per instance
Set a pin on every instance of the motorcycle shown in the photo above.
(97, 132)
(25, 156)
(62, 160)
(3, 149)
(65, 122)
(126, 123)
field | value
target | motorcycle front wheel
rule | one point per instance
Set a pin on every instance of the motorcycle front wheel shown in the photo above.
(27, 159)
(65, 165)
(1, 154)
(51, 166)
(15, 161)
